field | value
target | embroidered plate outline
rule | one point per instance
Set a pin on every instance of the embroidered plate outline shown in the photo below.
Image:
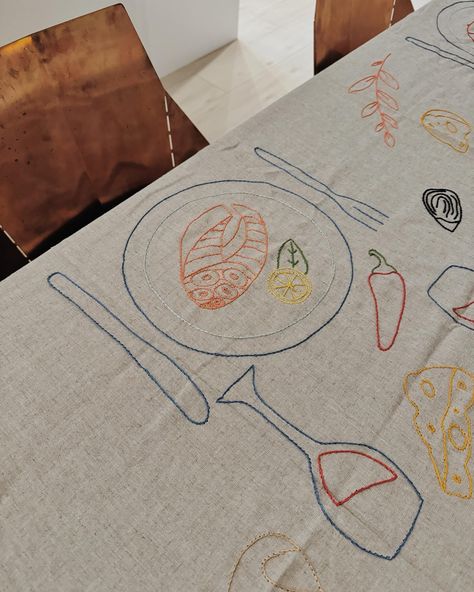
(257, 184)
(237, 194)
(243, 392)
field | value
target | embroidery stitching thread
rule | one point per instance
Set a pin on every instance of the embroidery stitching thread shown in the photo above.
(455, 413)
(303, 442)
(444, 206)
(386, 272)
(288, 284)
(443, 15)
(295, 548)
(449, 310)
(382, 100)
(444, 126)
(74, 294)
(219, 268)
(194, 326)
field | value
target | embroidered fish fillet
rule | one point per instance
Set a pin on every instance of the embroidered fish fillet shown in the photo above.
(222, 252)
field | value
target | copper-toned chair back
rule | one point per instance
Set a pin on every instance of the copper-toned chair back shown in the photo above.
(340, 26)
(84, 123)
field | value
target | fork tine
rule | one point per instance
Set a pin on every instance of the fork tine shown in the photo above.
(306, 179)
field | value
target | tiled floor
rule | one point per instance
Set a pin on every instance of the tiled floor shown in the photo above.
(273, 55)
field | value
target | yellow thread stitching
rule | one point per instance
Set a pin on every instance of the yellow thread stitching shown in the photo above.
(468, 439)
(294, 548)
(444, 125)
(289, 286)
(448, 431)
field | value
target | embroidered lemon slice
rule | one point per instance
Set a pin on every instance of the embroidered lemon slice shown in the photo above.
(289, 286)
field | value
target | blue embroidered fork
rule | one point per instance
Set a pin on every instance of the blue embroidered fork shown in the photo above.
(359, 211)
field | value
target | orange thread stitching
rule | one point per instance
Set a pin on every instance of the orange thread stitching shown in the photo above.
(263, 565)
(387, 122)
(444, 126)
(16, 245)
(213, 286)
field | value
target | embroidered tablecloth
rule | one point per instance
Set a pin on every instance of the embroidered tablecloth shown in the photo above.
(257, 374)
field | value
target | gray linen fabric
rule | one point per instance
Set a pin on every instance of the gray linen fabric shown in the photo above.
(108, 484)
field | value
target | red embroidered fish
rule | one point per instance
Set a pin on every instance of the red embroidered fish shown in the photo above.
(222, 252)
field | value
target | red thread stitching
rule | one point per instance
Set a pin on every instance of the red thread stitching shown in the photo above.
(381, 97)
(464, 307)
(337, 502)
(402, 309)
(224, 291)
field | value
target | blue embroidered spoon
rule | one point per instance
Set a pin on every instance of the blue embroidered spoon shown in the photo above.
(165, 374)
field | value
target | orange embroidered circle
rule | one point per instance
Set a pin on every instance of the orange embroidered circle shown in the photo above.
(289, 286)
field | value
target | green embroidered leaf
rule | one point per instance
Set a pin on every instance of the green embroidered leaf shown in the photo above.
(290, 255)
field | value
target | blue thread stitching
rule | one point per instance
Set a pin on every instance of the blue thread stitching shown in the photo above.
(368, 215)
(455, 319)
(124, 347)
(437, 22)
(220, 354)
(442, 53)
(259, 151)
(252, 370)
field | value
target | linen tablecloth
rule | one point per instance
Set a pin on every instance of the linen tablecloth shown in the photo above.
(257, 373)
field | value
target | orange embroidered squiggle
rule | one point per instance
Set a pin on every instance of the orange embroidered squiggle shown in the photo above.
(222, 251)
(382, 99)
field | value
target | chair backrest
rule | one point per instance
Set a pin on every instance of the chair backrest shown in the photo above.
(84, 123)
(340, 26)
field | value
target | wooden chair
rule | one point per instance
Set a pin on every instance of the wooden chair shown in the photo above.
(84, 123)
(341, 26)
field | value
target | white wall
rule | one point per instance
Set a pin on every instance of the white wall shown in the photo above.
(174, 32)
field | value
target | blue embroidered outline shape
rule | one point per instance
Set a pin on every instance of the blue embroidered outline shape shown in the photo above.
(150, 375)
(217, 353)
(252, 370)
(432, 285)
(326, 190)
(443, 53)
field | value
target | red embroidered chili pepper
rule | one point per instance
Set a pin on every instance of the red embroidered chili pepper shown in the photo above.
(386, 286)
